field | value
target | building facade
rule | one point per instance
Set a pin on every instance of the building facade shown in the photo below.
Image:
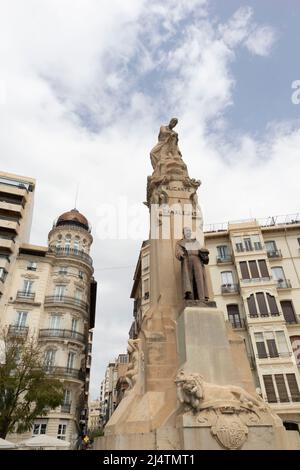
(52, 296)
(94, 415)
(16, 207)
(255, 273)
(113, 387)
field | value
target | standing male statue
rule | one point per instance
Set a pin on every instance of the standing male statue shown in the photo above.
(193, 257)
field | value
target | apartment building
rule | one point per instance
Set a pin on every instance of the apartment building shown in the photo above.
(255, 274)
(52, 296)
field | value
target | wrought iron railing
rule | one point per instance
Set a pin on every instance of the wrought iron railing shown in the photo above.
(23, 295)
(63, 299)
(230, 288)
(72, 253)
(64, 372)
(61, 333)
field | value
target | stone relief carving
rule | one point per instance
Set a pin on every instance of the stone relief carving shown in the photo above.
(135, 364)
(227, 410)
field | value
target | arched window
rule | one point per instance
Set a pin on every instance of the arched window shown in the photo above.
(234, 315)
(295, 341)
(76, 244)
(262, 303)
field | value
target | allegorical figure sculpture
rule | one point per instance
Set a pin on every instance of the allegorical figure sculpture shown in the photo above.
(167, 146)
(193, 258)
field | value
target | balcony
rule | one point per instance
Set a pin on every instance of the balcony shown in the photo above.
(65, 372)
(284, 284)
(71, 253)
(274, 356)
(230, 288)
(254, 280)
(237, 323)
(224, 259)
(17, 331)
(274, 254)
(66, 301)
(25, 296)
(64, 334)
(65, 408)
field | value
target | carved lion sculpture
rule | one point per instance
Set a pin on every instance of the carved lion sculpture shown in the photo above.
(198, 394)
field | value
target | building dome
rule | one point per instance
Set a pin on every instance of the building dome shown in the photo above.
(73, 217)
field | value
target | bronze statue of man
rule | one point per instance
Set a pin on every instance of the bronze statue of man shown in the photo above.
(193, 257)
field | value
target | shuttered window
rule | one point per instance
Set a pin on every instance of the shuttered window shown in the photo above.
(252, 305)
(263, 268)
(260, 345)
(253, 269)
(272, 304)
(293, 386)
(281, 388)
(272, 348)
(270, 390)
(262, 305)
(288, 311)
(244, 270)
(234, 315)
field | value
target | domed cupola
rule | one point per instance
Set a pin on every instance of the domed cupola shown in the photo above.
(73, 217)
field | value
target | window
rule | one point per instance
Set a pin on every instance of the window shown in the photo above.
(67, 397)
(39, 427)
(74, 324)
(31, 266)
(234, 315)
(239, 247)
(78, 295)
(27, 287)
(272, 304)
(59, 292)
(145, 262)
(146, 289)
(223, 252)
(288, 311)
(293, 386)
(271, 246)
(71, 358)
(253, 269)
(262, 305)
(263, 268)
(281, 388)
(285, 385)
(258, 303)
(54, 322)
(63, 270)
(282, 343)
(21, 319)
(278, 273)
(295, 341)
(298, 239)
(76, 244)
(260, 345)
(227, 278)
(248, 244)
(271, 343)
(270, 389)
(252, 306)
(81, 274)
(62, 431)
(244, 270)
(50, 358)
(67, 243)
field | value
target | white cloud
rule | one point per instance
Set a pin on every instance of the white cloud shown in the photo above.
(261, 40)
(86, 86)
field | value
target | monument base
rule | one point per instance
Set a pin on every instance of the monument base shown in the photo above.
(217, 407)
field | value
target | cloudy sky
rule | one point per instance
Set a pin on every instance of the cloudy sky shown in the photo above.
(84, 87)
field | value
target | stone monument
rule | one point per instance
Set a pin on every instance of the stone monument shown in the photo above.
(190, 382)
